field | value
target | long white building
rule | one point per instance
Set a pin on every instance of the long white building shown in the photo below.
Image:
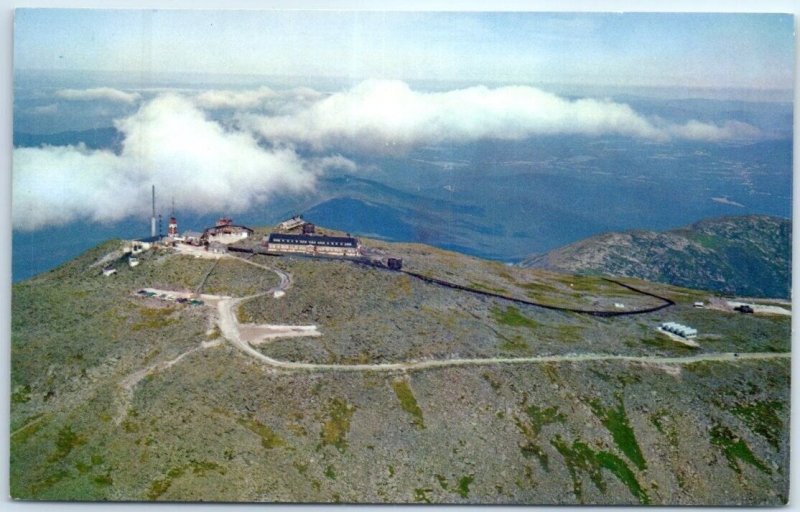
(314, 245)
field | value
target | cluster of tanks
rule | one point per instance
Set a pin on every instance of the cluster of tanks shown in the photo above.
(681, 330)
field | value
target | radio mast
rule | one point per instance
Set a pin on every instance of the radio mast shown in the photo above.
(153, 218)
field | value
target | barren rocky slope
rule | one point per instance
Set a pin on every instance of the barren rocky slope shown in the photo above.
(747, 255)
(121, 397)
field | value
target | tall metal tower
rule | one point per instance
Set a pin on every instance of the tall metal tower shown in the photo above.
(153, 218)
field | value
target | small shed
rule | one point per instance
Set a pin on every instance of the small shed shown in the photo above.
(192, 237)
(293, 223)
(394, 263)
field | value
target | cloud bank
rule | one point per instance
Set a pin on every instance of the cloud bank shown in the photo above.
(389, 114)
(246, 153)
(168, 142)
(99, 94)
(247, 99)
(263, 98)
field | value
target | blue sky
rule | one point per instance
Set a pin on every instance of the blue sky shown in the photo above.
(691, 50)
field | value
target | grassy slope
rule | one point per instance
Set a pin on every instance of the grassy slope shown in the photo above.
(546, 433)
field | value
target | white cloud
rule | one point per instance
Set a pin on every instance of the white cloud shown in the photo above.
(167, 142)
(247, 99)
(263, 98)
(385, 115)
(99, 94)
(45, 110)
(58, 184)
(229, 167)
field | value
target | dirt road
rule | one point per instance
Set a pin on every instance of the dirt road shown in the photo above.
(229, 326)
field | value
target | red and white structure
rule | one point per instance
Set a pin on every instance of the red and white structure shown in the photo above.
(172, 228)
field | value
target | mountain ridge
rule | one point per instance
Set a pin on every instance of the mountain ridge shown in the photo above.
(744, 255)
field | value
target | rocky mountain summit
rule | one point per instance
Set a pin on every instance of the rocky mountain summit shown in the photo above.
(360, 384)
(747, 255)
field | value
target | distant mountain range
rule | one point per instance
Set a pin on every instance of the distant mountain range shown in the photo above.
(743, 255)
(96, 138)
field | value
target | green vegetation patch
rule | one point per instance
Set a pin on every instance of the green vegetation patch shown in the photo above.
(540, 417)
(616, 421)
(204, 466)
(31, 427)
(407, 401)
(536, 289)
(463, 485)
(421, 495)
(154, 318)
(537, 418)
(103, 480)
(337, 425)
(621, 470)
(570, 332)
(580, 458)
(531, 449)
(661, 420)
(45, 483)
(512, 317)
(242, 316)
(706, 240)
(66, 441)
(487, 288)
(515, 344)
(21, 394)
(269, 439)
(762, 418)
(161, 485)
(735, 448)
(494, 383)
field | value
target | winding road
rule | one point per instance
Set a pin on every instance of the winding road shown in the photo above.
(229, 326)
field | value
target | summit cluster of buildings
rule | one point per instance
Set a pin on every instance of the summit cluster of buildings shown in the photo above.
(292, 236)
